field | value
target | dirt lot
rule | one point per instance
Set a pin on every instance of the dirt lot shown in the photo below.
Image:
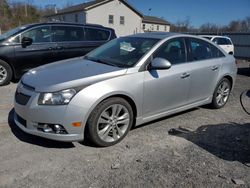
(212, 152)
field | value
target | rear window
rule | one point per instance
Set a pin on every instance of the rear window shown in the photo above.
(92, 34)
(200, 49)
(222, 41)
(216, 53)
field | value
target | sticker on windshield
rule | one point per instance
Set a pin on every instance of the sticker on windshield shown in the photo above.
(126, 47)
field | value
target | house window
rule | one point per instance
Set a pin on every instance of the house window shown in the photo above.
(152, 27)
(111, 19)
(76, 18)
(63, 18)
(122, 20)
(157, 27)
(143, 26)
(165, 28)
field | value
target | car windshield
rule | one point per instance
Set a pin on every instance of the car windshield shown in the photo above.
(10, 33)
(122, 52)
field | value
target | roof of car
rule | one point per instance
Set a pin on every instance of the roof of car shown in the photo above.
(65, 23)
(213, 36)
(158, 35)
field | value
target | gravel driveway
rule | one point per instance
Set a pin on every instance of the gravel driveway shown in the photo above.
(212, 150)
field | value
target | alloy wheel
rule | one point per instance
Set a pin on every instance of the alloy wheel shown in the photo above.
(3, 74)
(222, 93)
(113, 123)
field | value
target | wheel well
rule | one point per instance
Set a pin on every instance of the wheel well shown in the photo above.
(129, 100)
(230, 79)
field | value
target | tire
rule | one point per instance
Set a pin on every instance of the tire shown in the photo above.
(109, 122)
(221, 93)
(5, 73)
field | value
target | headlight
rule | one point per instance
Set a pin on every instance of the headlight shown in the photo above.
(56, 98)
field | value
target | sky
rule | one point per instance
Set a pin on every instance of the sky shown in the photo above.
(220, 12)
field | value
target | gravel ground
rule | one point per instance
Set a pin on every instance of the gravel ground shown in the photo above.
(212, 150)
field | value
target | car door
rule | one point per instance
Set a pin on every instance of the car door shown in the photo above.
(69, 41)
(39, 52)
(167, 89)
(74, 41)
(205, 67)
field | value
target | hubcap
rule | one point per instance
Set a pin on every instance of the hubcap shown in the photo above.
(113, 123)
(3, 73)
(222, 93)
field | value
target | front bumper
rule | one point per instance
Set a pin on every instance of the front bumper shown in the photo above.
(33, 114)
(51, 136)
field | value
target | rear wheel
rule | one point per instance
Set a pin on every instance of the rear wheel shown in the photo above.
(110, 122)
(5, 73)
(221, 93)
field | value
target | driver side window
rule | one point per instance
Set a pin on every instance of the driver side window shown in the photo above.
(173, 51)
(38, 35)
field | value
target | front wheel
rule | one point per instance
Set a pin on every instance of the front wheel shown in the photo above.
(221, 93)
(5, 73)
(110, 122)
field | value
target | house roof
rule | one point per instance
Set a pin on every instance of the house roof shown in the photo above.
(90, 5)
(154, 20)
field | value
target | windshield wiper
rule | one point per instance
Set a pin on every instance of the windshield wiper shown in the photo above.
(100, 61)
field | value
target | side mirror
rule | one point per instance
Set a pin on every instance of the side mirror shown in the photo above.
(160, 64)
(26, 41)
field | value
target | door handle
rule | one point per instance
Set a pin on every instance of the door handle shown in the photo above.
(50, 48)
(185, 75)
(214, 68)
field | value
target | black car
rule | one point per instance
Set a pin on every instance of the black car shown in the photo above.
(33, 45)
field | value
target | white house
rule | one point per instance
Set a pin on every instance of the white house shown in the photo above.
(152, 24)
(117, 14)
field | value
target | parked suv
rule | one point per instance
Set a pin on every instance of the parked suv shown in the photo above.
(33, 45)
(224, 42)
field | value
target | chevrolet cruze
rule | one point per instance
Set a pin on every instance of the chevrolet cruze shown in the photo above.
(126, 82)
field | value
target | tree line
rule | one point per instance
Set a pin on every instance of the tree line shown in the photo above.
(17, 14)
(13, 14)
(234, 26)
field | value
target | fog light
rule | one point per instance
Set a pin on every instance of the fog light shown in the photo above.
(57, 129)
(47, 129)
(51, 128)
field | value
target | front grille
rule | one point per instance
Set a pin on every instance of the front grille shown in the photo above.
(22, 98)
(21, 120)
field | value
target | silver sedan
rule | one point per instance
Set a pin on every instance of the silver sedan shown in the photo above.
(126, 82)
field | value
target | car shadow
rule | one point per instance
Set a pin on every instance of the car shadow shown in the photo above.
(244, 71)
(229, 141)
(35, 140)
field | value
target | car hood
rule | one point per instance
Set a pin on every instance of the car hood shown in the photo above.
(76, 72)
